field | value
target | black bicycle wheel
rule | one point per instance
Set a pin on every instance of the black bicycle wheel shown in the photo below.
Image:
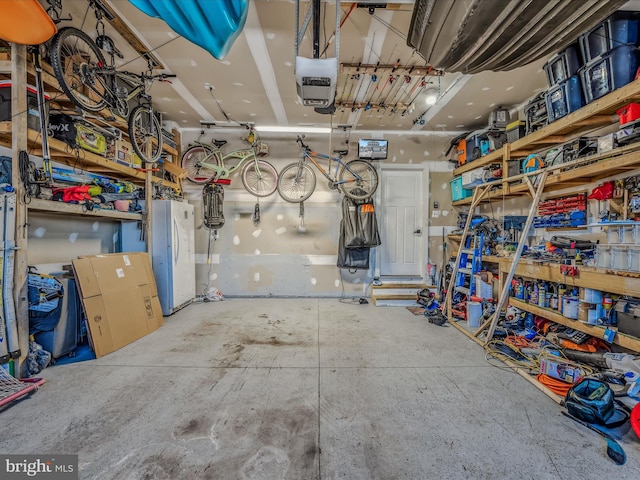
(194, 161)
(75, 59)
(361, 179)
(296, 182)
(145, 134)
(260, 178)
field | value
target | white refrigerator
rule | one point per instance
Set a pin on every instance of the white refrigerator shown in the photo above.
(173, 253)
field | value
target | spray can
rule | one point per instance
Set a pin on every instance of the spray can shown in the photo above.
(562, 291)
(543, 301)
(533, 297)
(553, 301)
(519, 289)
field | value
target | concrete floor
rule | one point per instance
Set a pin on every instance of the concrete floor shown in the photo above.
(303, 389)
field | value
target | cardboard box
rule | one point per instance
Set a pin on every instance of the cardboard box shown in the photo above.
(119, 297)
(124, 154)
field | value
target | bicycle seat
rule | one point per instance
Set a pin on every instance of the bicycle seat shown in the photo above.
(341, 152)
(219, 143)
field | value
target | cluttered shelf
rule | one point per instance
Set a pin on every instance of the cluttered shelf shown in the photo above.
(86, 160)
(40, 205)
(619, 282)
(621, 339)
(596, 114)
(587, 169)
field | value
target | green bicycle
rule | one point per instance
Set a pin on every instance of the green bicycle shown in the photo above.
(205, 163)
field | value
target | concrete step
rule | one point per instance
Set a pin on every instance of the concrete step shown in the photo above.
(396, 293)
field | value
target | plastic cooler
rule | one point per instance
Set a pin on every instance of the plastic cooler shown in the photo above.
(33, 117)
(613, 70)
(619, 29)
(457, 192)
(564, 98)
(563, 65)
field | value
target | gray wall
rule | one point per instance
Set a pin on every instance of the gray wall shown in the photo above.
(278, 258)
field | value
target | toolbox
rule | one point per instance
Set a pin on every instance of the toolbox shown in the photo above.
(563, 65)
(628, 314)
(33, 114)
(564, 98)
(621, 28)
(515, 130)
(462, 151)
(612, 70)
(629, 113)
(535, 112)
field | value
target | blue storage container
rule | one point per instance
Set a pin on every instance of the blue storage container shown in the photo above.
(608, 72)
(457, 192)
(619, 29)
(564, 98)
(563, 65)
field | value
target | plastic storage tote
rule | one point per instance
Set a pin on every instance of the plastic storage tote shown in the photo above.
(621, 28)
(457, 192)
(564, 98)
(563, 65)
(608, 72)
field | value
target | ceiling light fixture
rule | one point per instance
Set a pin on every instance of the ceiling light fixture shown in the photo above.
(292, 129)
(432, 96)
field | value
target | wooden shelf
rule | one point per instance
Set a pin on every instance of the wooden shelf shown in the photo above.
(614, 281)
(621, 339)
(87, 160)
(587, 169)
(599, 113)
(493, 157)
(39, 205)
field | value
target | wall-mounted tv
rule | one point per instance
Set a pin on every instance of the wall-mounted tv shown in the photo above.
(372, 149)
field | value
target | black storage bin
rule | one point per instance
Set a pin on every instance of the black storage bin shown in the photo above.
(33, 115)
(613, 70)
(563, 65)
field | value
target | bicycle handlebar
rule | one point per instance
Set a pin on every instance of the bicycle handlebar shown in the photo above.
(302, 144)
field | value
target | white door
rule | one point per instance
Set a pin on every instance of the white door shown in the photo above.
(403, 232)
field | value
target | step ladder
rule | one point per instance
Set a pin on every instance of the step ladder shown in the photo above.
(469, 262)
(535, 182)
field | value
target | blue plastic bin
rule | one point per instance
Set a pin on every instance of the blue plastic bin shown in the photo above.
(564, 98)
(604, 74)
(563, 65)
(457, 192)
(619, 29)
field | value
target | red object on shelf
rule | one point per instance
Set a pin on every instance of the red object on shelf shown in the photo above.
(629, 113)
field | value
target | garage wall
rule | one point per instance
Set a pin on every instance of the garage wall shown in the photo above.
(279, 257)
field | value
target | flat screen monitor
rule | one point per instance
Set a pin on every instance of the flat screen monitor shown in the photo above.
(372, 149)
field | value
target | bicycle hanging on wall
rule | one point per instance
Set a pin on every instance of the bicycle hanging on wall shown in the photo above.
(94, 85)
(205, 163)
(356, 179)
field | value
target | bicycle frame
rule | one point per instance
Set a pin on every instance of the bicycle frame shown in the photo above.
(110, 90)
(218, 165)
(311, 155)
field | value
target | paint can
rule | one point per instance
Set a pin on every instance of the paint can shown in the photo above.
(589, 295)
(474, 314)
(570, 307)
